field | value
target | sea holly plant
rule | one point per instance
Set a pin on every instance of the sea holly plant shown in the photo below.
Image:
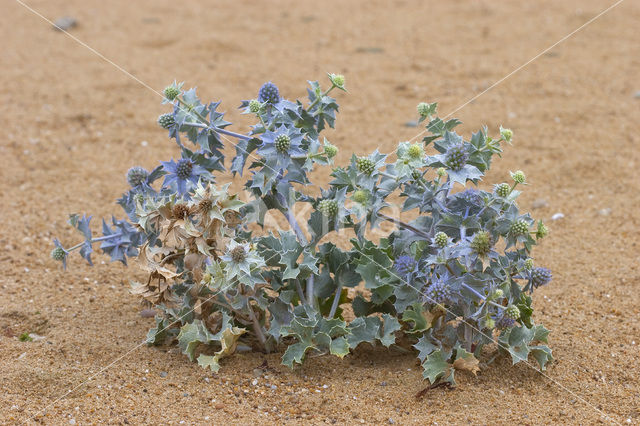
(453, 283)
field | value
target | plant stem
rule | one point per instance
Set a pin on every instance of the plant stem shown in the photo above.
(95, 240)
(304, 156)
(388, 175)
(295, 226)
(219, 130)
(263, 123)
(405, 225)
(232, 134)
(474, 292)
(300, 292)
(192, 124)
(190, 111)
(311, 298)
(485, 207)
(256, 326)
(491, 302)
(319, 98)
(468, 332)
(336, 301)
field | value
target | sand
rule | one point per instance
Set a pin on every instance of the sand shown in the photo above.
(73, 124)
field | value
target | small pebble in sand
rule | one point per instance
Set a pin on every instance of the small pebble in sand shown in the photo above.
(605, 212)
(539, 203)
(557, 216)
(65, 23)
(148, 313)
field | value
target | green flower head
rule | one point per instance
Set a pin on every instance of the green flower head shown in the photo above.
(415, 151)
(361, 196)
(365, 165)
(518, 177)
(171, 92)
(330, 150)
(506, 134)
(328, 208)
(254, 105)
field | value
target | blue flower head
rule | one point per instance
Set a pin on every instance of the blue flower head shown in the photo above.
(456, 157)
(183, 174)
(505, 322)
(540, 276)
(278, 146)
(137, 176)
(438, 292)
(471, 196)
(405, 265)
(269, 93)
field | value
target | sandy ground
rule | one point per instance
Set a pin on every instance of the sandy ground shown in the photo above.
(73, 124)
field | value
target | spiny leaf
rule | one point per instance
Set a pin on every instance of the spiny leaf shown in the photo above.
(436, 367)
(466, 361)
(419, 317)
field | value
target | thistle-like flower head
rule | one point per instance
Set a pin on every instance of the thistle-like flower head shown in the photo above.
(59, 253)
(542, 230)
(238, 254)
(137, 176)
(520, 227)
(505, 322)
(254, 105)
(415, 150)
(540, 276)
(502, 190)
(361, 196)
(269, 93)
(166, 121)
(171, 92)
(438, 292)
(528, 264)
(518, 176)
(441, 240)
(282, 143)
(456, 157)
(423, 109)
(404, 265)
(512, 312)
(330, 150)
(184, 174)
(490, 323)
(471, 195)
(184, 168)
(241, 260)
(337, 80)
(507, 134)
(180, 211)
(365, 165)
(328, 208)
(481, 243)
(279, 145)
